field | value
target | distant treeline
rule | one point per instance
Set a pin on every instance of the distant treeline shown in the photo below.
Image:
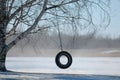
(69, 41)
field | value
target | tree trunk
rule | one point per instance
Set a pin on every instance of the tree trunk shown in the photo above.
(3, 60)
(3, 48)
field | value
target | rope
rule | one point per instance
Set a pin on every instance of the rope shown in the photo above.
(59, 33)
(60, 39)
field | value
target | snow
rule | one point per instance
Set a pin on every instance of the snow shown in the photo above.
(80, 65)
(110, 51)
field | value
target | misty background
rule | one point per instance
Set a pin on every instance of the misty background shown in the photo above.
(46, 44)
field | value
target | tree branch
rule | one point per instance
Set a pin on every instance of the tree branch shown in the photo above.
(61, 4)
(10, 8)
(19, 9)
(25, 33)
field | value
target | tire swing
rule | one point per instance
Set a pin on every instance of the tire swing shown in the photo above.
(62, 53)
(58, 62)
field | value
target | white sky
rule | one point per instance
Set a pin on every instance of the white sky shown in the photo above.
(114, 28)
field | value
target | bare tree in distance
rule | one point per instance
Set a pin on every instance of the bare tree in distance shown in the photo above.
(20, 18)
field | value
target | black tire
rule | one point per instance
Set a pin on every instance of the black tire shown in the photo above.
(59, 64)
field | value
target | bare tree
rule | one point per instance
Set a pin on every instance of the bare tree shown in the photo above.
(24, 17)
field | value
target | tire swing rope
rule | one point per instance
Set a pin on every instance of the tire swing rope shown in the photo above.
(60, 38)
(62, 53)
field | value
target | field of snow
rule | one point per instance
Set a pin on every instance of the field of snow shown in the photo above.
(80, 65)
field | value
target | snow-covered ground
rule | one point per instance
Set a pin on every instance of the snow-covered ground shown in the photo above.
(80, 65)
(110, 51)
